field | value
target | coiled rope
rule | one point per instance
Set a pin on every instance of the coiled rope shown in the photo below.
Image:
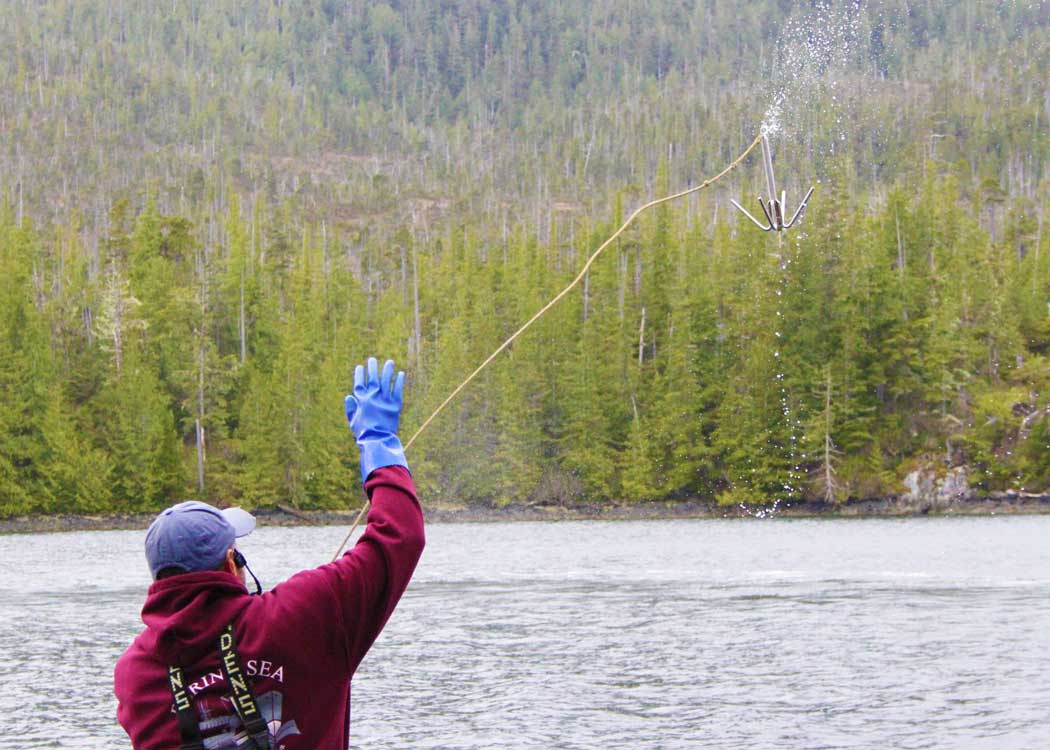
(540, 313)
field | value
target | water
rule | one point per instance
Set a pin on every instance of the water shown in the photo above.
(922, 633)
(819, 51)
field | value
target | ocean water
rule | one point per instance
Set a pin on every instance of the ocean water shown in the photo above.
(918, 633)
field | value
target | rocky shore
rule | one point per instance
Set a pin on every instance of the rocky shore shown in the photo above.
(905, 505)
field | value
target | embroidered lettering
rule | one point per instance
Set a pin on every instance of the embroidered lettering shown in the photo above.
(205, 682)
(237, 682)
(182, 701)
(264, 668)
(246, 704)
(229, 660)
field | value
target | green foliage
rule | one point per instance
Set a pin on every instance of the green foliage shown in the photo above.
(136, 429)
(316, 182)
(720, 391)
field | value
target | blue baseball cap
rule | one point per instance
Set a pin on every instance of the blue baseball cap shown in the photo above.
(194, 536)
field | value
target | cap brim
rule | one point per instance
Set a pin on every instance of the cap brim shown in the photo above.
(242, 521)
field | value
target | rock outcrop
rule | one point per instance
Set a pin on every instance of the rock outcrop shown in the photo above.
(930, 489)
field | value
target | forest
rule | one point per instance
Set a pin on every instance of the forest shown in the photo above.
(211, 211)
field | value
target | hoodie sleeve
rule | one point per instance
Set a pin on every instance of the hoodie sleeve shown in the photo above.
(369, 580)
(335, 611)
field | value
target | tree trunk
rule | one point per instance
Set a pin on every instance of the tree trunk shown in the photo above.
(200, 456)
(240, 323)
(831, 485)
(118, 319)
(416, 329)
(586, 295)
(641, 338)
(900, 245)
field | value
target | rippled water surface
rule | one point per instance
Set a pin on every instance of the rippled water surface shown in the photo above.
(924, 633)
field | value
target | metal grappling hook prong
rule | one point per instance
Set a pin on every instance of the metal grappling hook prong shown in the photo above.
(774, 210)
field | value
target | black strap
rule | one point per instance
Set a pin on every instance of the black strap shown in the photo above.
(243, 699)
(189, 728)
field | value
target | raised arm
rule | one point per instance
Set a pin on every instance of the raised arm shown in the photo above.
(384, 558)
(374, 574)
(352, 597)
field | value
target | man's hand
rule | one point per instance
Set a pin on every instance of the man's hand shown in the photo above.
(374, 411)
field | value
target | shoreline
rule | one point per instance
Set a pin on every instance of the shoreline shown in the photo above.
(893, 507)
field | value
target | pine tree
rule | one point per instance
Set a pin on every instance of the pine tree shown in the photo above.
(25, 376)
(137, 432)
(74, 473)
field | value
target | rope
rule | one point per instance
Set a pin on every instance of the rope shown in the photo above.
(552, 303)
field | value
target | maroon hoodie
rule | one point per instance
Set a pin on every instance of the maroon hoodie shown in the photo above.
(299, 643)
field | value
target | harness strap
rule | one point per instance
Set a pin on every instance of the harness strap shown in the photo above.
(243, 700)
(189, 728)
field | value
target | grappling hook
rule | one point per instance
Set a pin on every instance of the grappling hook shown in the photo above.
(774, 209)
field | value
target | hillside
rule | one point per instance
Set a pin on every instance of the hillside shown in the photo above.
(212, 210)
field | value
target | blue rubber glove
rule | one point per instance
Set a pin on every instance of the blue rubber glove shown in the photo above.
(374, 411)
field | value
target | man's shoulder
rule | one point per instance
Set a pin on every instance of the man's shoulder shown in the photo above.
(130, 664)
(133, 650)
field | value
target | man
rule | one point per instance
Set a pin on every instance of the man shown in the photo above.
(218, 668)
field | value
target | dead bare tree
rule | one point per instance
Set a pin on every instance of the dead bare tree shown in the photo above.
(826, 480)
